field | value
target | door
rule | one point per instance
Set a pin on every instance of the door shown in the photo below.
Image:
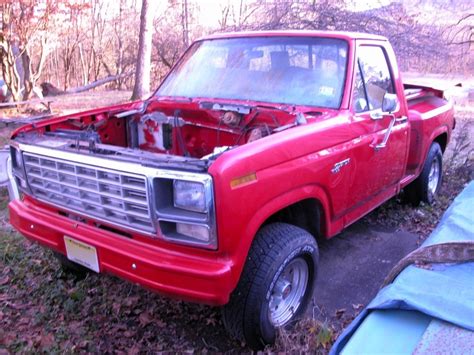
(378, 167)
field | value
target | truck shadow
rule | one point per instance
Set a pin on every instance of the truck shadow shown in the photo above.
(352, 267)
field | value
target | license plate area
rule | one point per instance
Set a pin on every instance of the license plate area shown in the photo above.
(82, 253)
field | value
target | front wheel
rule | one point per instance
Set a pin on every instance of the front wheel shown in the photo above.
(276, 285)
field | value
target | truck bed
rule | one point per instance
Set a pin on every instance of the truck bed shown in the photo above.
(428, 111)
(425, 99)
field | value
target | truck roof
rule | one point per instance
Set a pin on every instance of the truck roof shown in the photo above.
(296, 33)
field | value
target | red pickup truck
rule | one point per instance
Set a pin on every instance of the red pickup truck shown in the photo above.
(217, 188)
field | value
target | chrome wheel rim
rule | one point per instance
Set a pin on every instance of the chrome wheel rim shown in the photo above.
(433, 176)
(288, 292)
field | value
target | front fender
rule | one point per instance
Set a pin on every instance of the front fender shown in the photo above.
(278, 203)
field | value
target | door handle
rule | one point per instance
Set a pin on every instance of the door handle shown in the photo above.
(401, 119)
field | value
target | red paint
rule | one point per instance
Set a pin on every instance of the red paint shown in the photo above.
(290, 166)
(188, 276)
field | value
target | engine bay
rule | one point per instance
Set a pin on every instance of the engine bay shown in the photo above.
(163, 131)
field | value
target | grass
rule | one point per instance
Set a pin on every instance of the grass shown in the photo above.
(43, 309)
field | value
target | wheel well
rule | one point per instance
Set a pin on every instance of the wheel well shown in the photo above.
(442, 140)
(307, 214)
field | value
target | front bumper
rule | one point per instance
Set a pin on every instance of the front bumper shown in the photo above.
(196, 279)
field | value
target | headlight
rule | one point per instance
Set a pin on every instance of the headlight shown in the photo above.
(194, 231)
(185, 208)
(189, 195)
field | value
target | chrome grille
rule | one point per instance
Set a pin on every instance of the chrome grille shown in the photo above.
(120, 198)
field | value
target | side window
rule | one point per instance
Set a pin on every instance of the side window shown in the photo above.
(359, 97)
(373, 79)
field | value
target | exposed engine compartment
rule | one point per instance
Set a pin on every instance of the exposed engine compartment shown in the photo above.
(163, 131)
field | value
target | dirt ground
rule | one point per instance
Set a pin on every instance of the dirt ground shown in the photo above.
(43, 309)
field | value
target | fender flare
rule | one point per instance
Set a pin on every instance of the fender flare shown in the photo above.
(311, 191)
(435, 134)
(438, 132)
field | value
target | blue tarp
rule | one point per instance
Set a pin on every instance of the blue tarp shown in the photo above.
(444, 291)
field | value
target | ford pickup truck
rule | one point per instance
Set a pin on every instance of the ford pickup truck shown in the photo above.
(217, 188)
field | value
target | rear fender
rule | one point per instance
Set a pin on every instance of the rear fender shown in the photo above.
(438, 132)
(426, 147)
(420, 141)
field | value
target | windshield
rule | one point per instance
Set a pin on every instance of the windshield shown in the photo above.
(289, 70)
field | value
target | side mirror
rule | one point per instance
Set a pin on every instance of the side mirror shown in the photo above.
(390, 103)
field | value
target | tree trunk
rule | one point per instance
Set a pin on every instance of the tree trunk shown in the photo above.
(83, 64)
(7, 57)
(143, 66)
(96, 83)
(27, 79)
(185, 23)
(8, 69)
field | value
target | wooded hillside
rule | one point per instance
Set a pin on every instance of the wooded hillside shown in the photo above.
(72, 43)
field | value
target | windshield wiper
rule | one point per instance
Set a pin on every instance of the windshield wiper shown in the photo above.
(269, 107)
(242, 109)
(174, 98)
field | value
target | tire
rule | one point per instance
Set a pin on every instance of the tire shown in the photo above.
(71, 268)
(426, 187)
(279, 276)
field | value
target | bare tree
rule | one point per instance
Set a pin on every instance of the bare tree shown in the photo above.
(235, 17)
(143, 67)
(74, 43)
(462, 32)
(24, 25)
(168, 41)
(7, 57)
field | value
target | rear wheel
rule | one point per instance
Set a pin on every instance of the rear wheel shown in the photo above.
(276, 285)
(426, 187)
